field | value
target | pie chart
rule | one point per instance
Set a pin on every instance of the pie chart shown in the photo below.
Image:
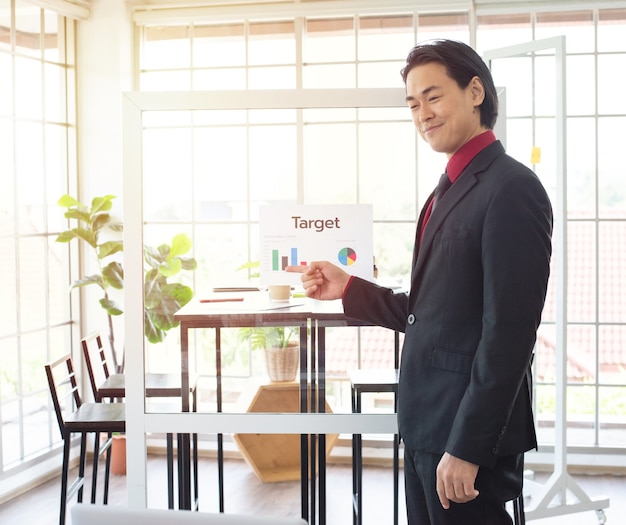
(347, 256)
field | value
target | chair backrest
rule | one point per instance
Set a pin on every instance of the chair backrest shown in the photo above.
(63, 386)
(94, 354)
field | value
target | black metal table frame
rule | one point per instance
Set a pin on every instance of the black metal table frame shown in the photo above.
(312, 323)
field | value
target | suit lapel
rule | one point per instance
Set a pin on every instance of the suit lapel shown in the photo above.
(463, 185)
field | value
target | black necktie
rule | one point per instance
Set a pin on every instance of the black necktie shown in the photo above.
(442, 187)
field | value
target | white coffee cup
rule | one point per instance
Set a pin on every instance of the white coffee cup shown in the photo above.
(279, 292)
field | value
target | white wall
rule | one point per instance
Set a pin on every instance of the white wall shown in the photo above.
(104, 71)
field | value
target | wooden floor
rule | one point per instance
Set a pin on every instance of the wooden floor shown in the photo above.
(245, 494)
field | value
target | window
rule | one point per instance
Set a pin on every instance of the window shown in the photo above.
(37, 136)
(367, 155)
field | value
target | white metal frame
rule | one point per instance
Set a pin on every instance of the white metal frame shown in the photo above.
(138, 421)
(551, 499)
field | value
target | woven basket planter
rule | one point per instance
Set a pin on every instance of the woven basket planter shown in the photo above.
(282, 363)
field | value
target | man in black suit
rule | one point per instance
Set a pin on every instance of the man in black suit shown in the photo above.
(478, 284)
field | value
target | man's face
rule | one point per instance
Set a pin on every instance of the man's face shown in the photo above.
(445, 115)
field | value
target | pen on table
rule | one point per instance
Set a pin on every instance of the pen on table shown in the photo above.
(222, 300)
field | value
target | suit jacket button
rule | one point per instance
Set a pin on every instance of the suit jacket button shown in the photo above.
(411, 319)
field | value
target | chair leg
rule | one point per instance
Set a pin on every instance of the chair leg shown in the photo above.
(81, 466)
(518, 510)
(170, 470)
(196, 490)
(107, 468)
(64, 476)
(94, 471)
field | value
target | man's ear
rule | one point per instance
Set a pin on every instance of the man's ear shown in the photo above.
(478, 91)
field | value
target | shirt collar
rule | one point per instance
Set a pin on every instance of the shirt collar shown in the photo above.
(463, 156)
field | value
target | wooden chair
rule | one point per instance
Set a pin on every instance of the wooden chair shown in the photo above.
(113, 386)
(73, 417)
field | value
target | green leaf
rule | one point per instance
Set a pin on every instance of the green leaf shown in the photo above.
(188, 263)
(152, 257)
(171, 267)
(181, 244)
(66, 236)
(100, 204)
(90, 279)
(109, 248)
(113, 275)
(67, 201)
(99, 221)
(111, 307)
(79, 214)
(86, 235)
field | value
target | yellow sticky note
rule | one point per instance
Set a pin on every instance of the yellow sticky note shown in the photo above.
(535, 156)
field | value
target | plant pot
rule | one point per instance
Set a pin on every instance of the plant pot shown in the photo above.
(282, 363)
(118, 455)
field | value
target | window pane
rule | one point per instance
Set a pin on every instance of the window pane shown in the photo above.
(220, 163)
(33, 284)
(329, 40)
(386, 165)
(581, 272)
(453, 25)
(385, 37)
(220, 250)
(581, 353)
(612, 412)
(219, 46)
(165, 47)
(27, 29)
(58, 291)
(331, 76)
(612, 278)
(495, 31)
(56, 170)
(7, 195)
(219, 79)
(8, 297)
(611, 28)
(610, 93)
(272, 43)
(515, 74)
(51, 41)
(273, 164)
(576, 26)
(28, 96)
(545, 86)
(272, 78)
(330, 164)
(380, 74)
(393, 249)
(581, 168)
(165, 80)
(611, 187)
(29, 177)
(54, 92)
(167, 158)
(611, 355)
(580, 85)
(6, 84)
(581, 411)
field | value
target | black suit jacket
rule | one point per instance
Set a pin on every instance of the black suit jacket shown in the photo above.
(478, 286)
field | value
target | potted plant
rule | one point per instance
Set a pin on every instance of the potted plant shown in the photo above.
(281, 352)
(101, 233)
